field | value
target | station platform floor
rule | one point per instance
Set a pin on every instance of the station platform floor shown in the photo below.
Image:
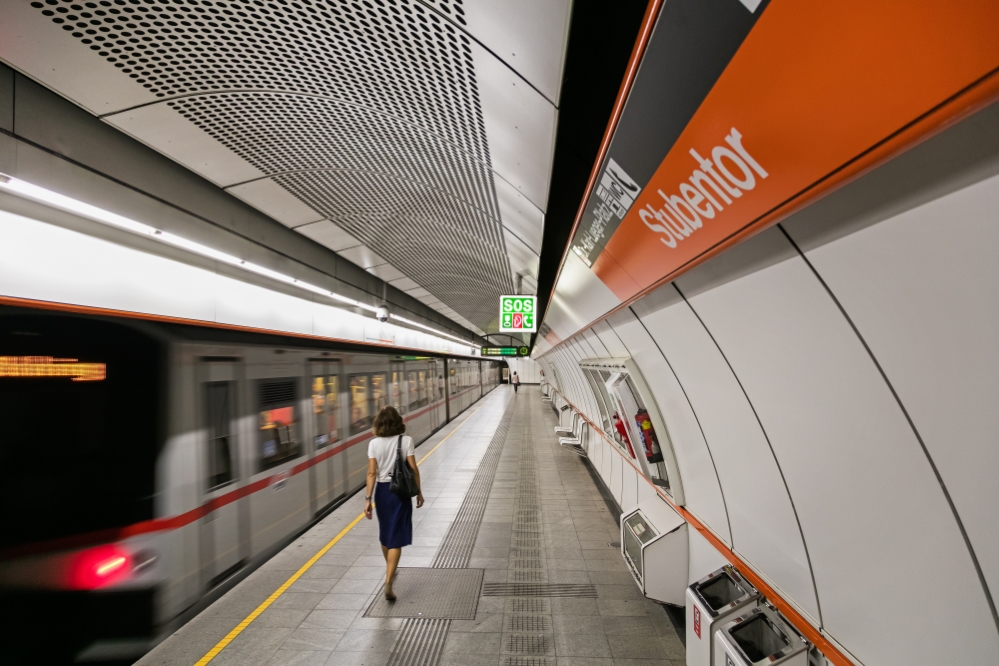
(514, 562)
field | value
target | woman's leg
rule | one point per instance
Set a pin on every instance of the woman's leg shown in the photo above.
(391, 564)
(385, 553)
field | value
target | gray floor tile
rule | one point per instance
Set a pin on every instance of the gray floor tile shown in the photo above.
(285, 657)
(376, 640)
(582, 645)
(472, 643)
(313, 639)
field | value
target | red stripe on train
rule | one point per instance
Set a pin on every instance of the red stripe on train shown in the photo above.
(175, 522)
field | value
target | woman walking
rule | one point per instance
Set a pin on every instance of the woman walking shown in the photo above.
(395, 513)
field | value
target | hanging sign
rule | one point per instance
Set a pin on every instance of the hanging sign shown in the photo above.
(517, 314)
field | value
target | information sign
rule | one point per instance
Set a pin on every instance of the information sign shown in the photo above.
(505, 351)
(517, 314)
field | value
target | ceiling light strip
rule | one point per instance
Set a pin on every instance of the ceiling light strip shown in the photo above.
(63, 202)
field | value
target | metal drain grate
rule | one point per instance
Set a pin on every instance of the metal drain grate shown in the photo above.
(539, 590)
(527, 643)
(529, 623)
(451, 594)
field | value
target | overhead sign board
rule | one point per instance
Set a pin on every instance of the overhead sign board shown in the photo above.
(505, 351)
(517, 314)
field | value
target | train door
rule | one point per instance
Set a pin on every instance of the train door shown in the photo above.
(280, 398)
(329, 471)
(435, 390)
(223, 533)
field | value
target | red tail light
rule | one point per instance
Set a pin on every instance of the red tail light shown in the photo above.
(100, 566)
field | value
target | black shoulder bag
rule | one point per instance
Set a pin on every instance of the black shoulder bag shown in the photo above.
(403, 482)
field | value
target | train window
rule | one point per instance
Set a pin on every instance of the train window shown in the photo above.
(278, 425)
(414, 390)
(422, 384)
(221, 438)
(360, 410)
(396, 391)
(379, 398)
(325, 409)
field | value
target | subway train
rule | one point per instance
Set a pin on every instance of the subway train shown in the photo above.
(149, 465)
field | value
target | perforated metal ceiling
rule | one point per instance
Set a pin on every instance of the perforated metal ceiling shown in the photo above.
(368, 112)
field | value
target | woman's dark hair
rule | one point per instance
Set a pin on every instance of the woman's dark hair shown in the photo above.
(389, 423)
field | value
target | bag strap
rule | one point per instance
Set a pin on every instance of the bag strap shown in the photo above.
(398, 448)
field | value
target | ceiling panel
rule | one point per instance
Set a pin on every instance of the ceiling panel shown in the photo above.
(389, 121)
(520, 126)
(386, 272)
(163, 129)
(36, 41)
(363, 256)
(328, 234)
(274, 200)
(520, 216)
(528, 35)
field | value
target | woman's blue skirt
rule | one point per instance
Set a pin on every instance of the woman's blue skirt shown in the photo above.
(395, 517)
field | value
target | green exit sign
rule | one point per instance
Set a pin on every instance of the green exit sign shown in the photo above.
(517, 314)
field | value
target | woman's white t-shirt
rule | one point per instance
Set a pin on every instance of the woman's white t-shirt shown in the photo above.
(382, 449)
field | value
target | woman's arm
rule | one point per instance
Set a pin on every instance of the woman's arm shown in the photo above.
(416, 474)
(369, 487)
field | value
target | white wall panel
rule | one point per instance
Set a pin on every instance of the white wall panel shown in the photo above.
(579, 298)
(764, 528)
(598, 347)
(701, 491)
(609, 338)
(703, 558)
(875, 520)
(629, 486)
(921, 288)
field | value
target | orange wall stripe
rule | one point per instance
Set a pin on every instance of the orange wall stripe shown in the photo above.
(816, 89)
(807, 629)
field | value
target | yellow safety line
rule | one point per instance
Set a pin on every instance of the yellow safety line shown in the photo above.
(305, 567)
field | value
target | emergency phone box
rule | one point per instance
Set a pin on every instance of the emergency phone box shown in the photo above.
(761, 636)
(654, 544)
(711, 602)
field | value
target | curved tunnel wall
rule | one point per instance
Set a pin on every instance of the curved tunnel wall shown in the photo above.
(830, 388)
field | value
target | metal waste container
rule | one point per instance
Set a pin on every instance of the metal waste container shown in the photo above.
(759, 637)
(711, 602)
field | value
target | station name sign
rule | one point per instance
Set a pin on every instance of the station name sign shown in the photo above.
(505, 351)
(517, 314)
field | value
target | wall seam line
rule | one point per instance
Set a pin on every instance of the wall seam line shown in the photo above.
(721, 489)
(794, 508)
(912, 425)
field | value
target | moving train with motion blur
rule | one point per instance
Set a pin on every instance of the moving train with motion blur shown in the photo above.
(147, 466)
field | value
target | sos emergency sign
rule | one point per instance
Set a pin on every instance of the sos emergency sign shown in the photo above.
(517, 314)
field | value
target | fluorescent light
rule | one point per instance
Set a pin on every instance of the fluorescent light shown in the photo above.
(56, 200)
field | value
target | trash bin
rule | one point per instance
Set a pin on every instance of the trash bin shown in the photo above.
(711, 602)
(758, 637)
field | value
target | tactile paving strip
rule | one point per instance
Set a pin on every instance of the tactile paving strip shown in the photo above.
(539, 590)
(421, 640)
(448, 594)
